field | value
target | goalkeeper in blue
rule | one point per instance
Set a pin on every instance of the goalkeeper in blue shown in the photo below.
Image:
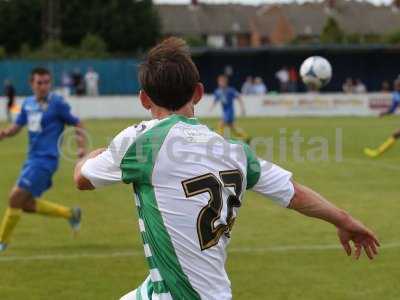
(45, 114)
(373, 153)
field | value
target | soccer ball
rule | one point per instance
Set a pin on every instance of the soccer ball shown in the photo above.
(316, 72)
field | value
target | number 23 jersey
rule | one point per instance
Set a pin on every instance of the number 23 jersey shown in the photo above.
(189, 184)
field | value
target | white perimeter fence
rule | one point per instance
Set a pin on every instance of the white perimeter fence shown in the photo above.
(108, 107)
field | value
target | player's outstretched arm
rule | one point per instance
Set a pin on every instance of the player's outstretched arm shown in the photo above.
(310, 203)
(102, 167)
(9, 131)
(80, 139)
(81, 182)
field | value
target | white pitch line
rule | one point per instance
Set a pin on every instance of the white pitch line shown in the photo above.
(71, 256)
(132, 253)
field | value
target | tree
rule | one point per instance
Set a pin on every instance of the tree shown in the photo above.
(393, 38)
(356, 38)
(93, 46)
(20, 23)
(195, 41)
(51, 49)
(2, 52)
(125, 25)
(332, 33)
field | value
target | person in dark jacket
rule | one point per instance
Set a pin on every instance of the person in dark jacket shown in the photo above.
(9, 92)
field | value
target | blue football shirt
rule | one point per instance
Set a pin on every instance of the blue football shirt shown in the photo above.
(395, 102)
(227, 97)
(396, 96)
(45, 123)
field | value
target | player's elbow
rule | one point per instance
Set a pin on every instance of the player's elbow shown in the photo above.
(82, 183)
(299, 197)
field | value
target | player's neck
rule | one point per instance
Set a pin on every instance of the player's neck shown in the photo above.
(162, 113)
(41, 99)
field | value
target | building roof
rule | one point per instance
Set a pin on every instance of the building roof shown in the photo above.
(205, 18)
(364, 17)
(305, 19)
(352, 16)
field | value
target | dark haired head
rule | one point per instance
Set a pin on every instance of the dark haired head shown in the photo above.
(39, 71)
(222, 80)
(168, 75)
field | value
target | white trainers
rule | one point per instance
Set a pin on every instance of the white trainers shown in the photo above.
(75, 220)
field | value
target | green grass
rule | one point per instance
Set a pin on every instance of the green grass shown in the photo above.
(369, 189)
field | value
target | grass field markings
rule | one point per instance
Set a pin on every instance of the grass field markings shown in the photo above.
(71, 256)
(247, 250)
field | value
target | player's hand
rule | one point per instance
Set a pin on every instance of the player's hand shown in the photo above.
(81, 152)
(363, 238)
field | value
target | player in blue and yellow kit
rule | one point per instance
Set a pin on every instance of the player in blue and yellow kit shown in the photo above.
(227, 95)
(45, 114)
(396, 135)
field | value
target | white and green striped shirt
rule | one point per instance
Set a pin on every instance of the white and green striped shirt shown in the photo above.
(189, 184)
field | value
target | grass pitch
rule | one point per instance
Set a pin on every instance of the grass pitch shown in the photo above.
(274, 253)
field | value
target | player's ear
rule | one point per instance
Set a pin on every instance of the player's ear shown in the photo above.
(198, 93)
(145, 100)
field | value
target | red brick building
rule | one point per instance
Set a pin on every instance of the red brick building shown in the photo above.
(233, 25)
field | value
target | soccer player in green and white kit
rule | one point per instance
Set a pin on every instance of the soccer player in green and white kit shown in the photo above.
(189, 184)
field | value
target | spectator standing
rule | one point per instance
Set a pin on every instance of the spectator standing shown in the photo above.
(359, 87)
(9, 92)
(293, 80)
(283, 77)
(259, 88)
(77, 82)
(247, 87)
(347, 86)
(92, 82)
(66, 83)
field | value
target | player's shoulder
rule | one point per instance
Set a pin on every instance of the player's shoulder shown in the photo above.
(132, 132)
(28, 100)
(248, 151)
(123, 141)
(58, 101)
(253, 167)
(57, 98)
(232, 90)
(243, 145)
